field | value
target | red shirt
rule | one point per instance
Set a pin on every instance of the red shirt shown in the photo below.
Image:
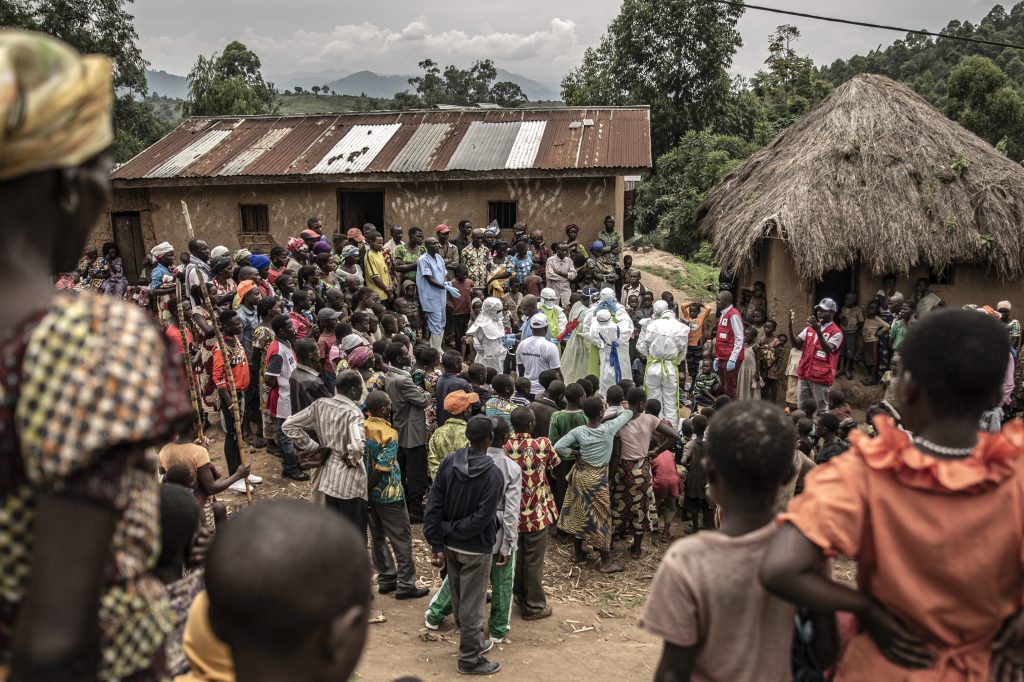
(666, 478)
(173, 334)
(301, 324)
(239, 365)
(324, 343)
(463, 304)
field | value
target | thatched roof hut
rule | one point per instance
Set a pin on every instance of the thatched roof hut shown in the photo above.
(875, 176)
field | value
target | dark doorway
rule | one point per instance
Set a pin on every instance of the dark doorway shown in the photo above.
(127, 229)
(358, 207)
(835, 284)
(629, 220)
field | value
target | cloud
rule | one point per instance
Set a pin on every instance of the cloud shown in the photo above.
(380, 48)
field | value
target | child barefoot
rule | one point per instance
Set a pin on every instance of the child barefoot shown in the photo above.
(932, 514)
(705, 602)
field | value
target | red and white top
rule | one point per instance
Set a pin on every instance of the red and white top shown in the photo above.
(817, 364)
(729, 336)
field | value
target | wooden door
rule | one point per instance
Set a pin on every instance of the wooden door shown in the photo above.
(127, 229)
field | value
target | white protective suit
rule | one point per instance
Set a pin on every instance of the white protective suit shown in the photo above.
(610, 330)
(488, 332)
(553, 311)
(663, 341)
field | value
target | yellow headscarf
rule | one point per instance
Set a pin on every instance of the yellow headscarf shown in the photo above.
(54, 104)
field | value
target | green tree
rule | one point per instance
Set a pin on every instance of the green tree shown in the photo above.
(671, 54)
(980, 98)
(229, 84)
(105, 27)
(788, 88)
(315, 89)
(457, 86)
(666, 204)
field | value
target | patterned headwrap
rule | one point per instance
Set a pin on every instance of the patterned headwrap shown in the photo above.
(571, 226)
(161, 249)
(54, 104)
(492, 231)
(349, 251)
(360, 356)
(240, 254)
(294, 244)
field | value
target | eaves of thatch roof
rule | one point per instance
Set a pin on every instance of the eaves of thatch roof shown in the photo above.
(873, 174)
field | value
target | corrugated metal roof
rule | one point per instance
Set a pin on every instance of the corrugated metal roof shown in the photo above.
(485, 146)
(407, 142)
(527, 142)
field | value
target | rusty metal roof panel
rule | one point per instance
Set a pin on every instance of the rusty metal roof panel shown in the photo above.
(485, 146)
(430, 141)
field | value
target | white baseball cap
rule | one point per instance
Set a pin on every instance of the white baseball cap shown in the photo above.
(538, 321)
(827, 304)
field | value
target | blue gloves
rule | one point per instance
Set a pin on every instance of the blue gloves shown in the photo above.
(714, 364)
(452, 291)
(509, 340)
(730, 366)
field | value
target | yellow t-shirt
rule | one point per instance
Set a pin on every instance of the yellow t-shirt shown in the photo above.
(374, 265)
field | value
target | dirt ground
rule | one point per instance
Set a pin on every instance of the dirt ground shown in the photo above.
(593, 630)
(660, 259)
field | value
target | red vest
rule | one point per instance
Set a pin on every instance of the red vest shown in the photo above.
(725, 338)
(817, 364)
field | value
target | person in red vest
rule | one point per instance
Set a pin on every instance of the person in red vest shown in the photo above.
(821, 341)
(728, 344)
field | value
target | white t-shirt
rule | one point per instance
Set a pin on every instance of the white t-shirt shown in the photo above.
(536, 354)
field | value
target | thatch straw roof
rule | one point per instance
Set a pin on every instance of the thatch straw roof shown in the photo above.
(873, 174)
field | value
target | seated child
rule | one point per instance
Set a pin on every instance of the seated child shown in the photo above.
(705, 602)
(707, 385)
(934, 518)
(274, 630)
(838, 406)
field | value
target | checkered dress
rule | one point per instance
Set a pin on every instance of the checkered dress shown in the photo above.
(86, 389)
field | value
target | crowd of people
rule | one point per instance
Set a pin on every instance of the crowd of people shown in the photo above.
(491, 401)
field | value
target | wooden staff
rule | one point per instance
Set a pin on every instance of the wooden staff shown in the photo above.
(227, 365)
(192, 392)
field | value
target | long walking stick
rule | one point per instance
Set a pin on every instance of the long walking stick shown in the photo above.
(192, 392)
(227, 366)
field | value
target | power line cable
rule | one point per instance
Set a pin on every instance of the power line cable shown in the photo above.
(851, 22)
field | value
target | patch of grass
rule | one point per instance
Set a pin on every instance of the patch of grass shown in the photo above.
(699, 282)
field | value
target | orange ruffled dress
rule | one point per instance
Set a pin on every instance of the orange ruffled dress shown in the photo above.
(937, 541)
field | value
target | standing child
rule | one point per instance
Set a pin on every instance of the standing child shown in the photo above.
(748, 380)
(851, 321)
(771, 357)
(792, 380)
(696, 496)
(562, 422)
(705, 602)
(501, 404)
(538, 461)
(932, 514)
(389, 517)
(891, 382)
(874, 329)
(524, 391)
(667, 486)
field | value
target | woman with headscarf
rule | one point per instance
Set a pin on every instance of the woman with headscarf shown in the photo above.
(206, 342)
(489, 333)
(610, 330)
(350, 264)
(580, 357)
(573, 244)
(90, 388)
(222, 286)
(298, 254)
(108, 272)
(363, 360)
(262, 265)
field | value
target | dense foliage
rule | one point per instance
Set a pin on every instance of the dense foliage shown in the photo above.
(229, 84)
(671, 54)
(106, 27)
(462, 87)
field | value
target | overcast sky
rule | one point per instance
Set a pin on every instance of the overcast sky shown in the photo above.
(541, 39)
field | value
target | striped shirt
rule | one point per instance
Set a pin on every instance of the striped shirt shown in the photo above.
(338, 424)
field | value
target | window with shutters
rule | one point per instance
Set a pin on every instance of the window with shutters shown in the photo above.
(255, 219)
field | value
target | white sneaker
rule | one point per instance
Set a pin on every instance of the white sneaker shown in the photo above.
(427, 623)
(255, 480)
(238, 486)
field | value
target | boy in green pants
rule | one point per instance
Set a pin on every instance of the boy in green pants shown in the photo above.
(503, 562)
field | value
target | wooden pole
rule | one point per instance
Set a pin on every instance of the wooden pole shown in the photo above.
(192, 392)
(236, 412)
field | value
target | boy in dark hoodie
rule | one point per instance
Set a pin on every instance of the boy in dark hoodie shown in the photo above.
(460, 523)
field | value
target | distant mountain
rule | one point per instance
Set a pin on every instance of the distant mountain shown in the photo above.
(376, 85)
(167, 84)
(344, 82)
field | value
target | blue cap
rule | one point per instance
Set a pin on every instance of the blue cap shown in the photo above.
(598, 244)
